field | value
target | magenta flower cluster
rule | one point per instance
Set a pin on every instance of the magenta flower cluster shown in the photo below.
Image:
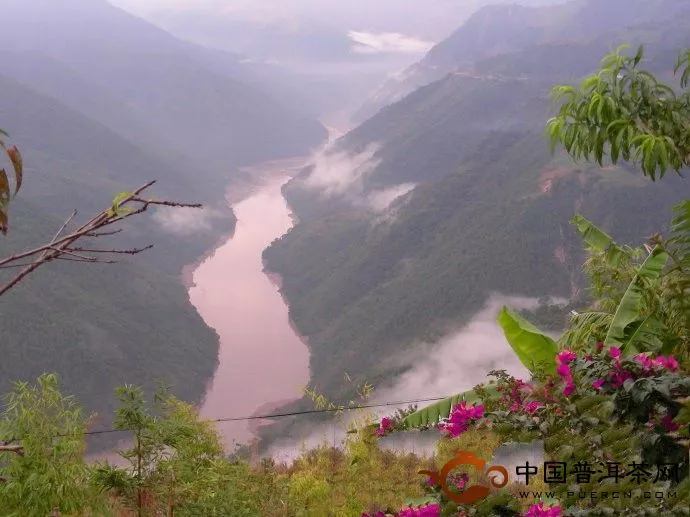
(516, 401)
(616, 377)
(430, 510)
(540, 510)
(461, 417)
(563, 360)
(385, 425)
(648, 364)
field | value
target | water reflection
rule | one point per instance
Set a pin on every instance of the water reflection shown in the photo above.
(261, 361)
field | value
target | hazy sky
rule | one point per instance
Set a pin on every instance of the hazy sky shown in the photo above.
(413, 17)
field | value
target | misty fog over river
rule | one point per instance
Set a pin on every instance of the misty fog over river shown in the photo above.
(262, 362)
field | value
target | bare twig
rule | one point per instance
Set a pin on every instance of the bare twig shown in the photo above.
(87, 260)
(134, 251)
(103, 234)
(62, 245)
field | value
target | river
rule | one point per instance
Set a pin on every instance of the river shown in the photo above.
(262, 362)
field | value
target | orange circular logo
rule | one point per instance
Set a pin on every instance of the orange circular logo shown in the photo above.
(473, 493)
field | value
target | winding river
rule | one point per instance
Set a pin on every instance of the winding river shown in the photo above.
(263, 364)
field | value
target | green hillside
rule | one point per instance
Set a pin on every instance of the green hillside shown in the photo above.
(490, 214)
(99, 102)
(99, 326)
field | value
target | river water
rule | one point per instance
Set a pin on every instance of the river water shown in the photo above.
(262, 362)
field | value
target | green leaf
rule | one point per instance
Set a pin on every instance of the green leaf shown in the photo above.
(117, 200)
(639, 55)
(534, 348)
(434, 413)
(117, 209)
(630, 308)
(600, 241)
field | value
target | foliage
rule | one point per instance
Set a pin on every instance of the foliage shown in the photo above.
(49, 472)
(604, 406)
(176, 462)
(640, 297)
(431, 414)
(534, 349)
(6, 193)
(626, 113)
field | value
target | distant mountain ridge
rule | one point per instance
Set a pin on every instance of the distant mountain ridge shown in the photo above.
(500, 29)
(148, 70)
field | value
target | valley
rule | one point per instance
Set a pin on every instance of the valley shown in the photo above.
(374, 238)
(262, 362)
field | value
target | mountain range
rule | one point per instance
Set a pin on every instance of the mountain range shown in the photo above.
(499, 30)
(411, 221)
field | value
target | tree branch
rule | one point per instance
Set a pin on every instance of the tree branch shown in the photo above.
(62, 245)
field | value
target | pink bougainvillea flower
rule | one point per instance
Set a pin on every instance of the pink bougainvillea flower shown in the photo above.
(619, 377)
(597, 385)
(569, 389)
(453, 430)
(566, 374)
(669, 363)
(533, 407)
(460, 418)
(644, 361)
(564, 371)
(540, 510)
(565, 356)
(615, 352)
(384, 426)
(478, 412)
(430, 510)
(462, 481)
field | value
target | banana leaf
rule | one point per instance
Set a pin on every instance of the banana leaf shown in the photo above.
(435, 412)
(600, 241)
(629, 310)
(534, 348)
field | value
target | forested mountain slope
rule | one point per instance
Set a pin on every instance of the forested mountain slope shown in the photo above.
(194, 99)
(500, 29)
(98, 326)
(100, 102)
(490, 213)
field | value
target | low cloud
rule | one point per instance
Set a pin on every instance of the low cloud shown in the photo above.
(343, 175)
(186, 221)
(454, 364)
(461, 360)
(381, 200)
(387, 42)
(340, 173)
